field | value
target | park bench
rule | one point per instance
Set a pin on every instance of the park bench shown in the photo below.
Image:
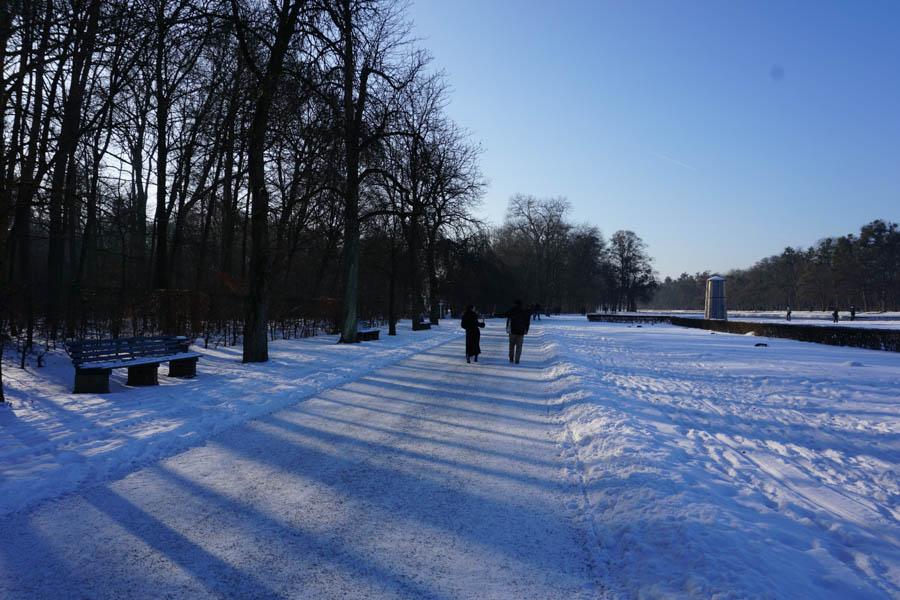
(368, 334)
(95, 359)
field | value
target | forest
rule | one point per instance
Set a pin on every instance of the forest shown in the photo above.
(241, 170)
(854, 270)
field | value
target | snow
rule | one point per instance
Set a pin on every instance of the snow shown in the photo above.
(755, 471)
(53, 441)
(614, 462)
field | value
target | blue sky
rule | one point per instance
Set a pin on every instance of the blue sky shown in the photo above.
(720, 132)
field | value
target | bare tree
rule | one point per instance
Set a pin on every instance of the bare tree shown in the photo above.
(633, 268)
(539, 228)
(408, 171)
(456, 188)
(364, 69)
(85, 21)
(181, 144)
(588, 279)
(266, 62)
(177, 37)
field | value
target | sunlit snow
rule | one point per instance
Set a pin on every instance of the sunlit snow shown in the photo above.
(614, 462)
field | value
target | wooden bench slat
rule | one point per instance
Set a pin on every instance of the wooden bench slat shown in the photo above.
(95, 351)
(127, 352)
(140, 361)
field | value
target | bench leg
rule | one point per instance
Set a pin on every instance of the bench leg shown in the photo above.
(91, 381)
(183, 367)
(143, 375)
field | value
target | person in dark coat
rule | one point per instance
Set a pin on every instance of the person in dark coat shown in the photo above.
(470, 323)
(518, 321)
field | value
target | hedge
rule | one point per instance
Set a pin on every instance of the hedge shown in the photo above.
(857, 337)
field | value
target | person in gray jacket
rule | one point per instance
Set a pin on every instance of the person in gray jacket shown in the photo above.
(518, 320)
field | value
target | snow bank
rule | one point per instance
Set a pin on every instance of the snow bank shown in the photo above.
(713, 468)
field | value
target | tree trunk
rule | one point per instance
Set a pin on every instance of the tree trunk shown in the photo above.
(256, 341)
(417, 307)
(160, 269)
(21, 240)
(256, 347)
(255, 327)
(352, 115)
(392, 287)
(434, 301)
(350, 263)
(2, 308)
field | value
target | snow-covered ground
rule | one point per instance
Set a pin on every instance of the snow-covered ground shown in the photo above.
(53, 441)
(714, 467)
(615, 461)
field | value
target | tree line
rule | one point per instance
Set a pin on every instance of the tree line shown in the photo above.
(854, 270)
(241, 169)
(538, 255)
(183, 165)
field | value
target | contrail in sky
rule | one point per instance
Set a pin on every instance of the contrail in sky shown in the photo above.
(677, 162)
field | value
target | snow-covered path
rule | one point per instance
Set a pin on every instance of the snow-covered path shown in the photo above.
(429, 478)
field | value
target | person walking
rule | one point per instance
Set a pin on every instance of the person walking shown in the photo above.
(518, 319)
(834, 316)
(470, 323)
(536, 314)
(788, 313)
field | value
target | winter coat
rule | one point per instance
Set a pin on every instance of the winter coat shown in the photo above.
(470, 323)
(519, 320)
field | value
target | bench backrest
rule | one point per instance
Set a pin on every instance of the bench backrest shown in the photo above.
(92, 351)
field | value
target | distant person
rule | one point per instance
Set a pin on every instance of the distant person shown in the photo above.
(852, 313)
(470, 323)
(788, 316)
(518, 319)
(536, 312)
(834, 316)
